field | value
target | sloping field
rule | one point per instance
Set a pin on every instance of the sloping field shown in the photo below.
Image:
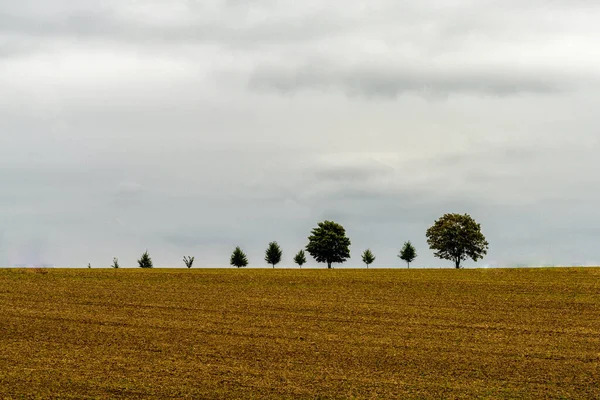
(529, 333)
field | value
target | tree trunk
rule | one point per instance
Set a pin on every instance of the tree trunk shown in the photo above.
(408, 264)
(457, 263)
(328, 264)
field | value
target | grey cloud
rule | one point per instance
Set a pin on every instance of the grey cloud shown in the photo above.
(230, 27)
(354, 173)
(415, 61)
(390, 82)
(11, 47)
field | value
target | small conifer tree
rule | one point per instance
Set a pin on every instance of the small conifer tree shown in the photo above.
(408, 253)
(368, 257)
(300, 258)
(273, 254)
(238, 258)
(145, 261)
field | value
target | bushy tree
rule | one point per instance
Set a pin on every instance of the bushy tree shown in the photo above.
(238, 258)
(115, 263)
(408, 253)
(145, 261)
(300, 258)
(368, 257)
(273, 254)
(188, 261)
(457, 237)
(328, 243)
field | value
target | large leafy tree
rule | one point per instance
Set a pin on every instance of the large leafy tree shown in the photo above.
(145, 261)
(457, 237)
(300, 258)
(368, 257)
(328, 243)
(238, 258)
(408, 253)
(273, 254)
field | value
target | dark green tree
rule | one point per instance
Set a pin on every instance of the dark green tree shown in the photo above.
(238, 258)
(145, 261)
(328, 243)
(368, 257)
(188, 261)
(273, 254)
(408, 253)
(115, 263)
(300, 258)
(457, 237)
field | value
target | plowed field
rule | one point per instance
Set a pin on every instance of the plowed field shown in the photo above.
(132, 333)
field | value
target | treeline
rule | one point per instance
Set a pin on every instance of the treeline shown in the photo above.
(453, 237)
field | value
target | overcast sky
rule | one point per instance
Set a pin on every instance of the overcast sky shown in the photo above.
(188, 127)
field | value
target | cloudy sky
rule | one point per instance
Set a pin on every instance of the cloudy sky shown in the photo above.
(187, 127)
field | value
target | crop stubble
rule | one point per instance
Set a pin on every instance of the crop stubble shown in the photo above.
(131, 333)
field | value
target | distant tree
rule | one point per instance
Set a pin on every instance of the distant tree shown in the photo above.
(115, 263)
(328, 243)
(145, 261)
(238, 258)
(457, 237)
(368, 257)
(273, 254)
(188, 261)
(408, 253)
(300, 258)
(89, 265)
